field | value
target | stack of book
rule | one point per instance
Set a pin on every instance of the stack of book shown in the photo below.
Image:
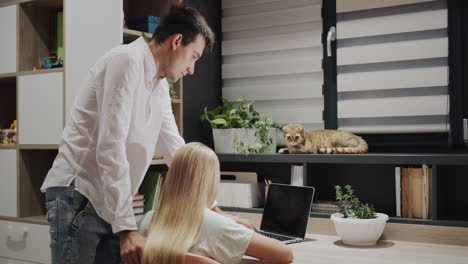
(413, 189)
(138, 204)
(326, 207)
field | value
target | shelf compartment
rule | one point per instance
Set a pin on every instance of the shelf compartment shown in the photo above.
(35, 40)
(33, 168)
(452, 182)
(8, 52)
(7, 104)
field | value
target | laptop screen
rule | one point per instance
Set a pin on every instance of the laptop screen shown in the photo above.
(287, 209)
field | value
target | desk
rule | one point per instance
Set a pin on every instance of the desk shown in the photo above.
(325, 249)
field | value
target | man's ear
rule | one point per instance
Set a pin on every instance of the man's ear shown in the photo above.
(176, 40)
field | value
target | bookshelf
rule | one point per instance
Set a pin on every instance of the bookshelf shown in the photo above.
(372, 177)
(34, 35)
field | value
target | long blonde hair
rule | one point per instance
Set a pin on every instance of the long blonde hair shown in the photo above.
(190, 186)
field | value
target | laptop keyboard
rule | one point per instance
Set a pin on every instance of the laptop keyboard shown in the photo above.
(275, 236)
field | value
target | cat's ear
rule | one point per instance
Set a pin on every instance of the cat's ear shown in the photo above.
(286, 128)
(300, 128)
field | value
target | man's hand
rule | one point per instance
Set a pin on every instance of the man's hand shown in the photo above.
(237, 219)
(131, 246)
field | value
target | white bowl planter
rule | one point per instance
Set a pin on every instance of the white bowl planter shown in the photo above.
(359, 232)
(224, 139)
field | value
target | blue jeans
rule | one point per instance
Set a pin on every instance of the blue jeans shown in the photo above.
(77, 234)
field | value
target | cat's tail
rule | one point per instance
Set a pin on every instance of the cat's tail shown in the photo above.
(361, 147)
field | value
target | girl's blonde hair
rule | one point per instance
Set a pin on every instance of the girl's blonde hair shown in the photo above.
(189, 187)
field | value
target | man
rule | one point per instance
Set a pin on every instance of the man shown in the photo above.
(122, 113)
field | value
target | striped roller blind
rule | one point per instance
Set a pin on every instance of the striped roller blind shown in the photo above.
(272, 54)
(392, 66)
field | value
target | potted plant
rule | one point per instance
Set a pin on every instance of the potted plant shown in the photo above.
(357, 223)
(241, 129)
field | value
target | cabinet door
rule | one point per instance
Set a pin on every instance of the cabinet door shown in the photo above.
(8, 185)
(40, 109)
(25, 242)
(8, 33)
(88, 39)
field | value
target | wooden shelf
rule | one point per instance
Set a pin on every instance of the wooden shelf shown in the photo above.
(43, 3)
(40, 219)
(8, 75)
(45, 147)
(7, 146)
(158, 162)
(41, 71)
(134, 34)
(7, 3)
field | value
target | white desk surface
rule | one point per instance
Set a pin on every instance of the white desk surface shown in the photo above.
(327, 249)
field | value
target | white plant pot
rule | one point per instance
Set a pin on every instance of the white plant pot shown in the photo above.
(224, 139)
(359, 232)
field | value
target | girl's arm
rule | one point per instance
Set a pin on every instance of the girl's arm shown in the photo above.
(269, 249)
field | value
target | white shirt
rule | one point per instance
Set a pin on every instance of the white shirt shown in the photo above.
(120, 114)
(220, 237)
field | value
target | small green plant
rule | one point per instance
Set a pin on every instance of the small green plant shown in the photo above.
(350, 206)
(172, 92)
(242, 116)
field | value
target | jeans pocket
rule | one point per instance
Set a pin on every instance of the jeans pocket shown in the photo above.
(79, 215)
(52, 218)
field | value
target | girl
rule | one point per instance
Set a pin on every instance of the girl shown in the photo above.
(183, 223)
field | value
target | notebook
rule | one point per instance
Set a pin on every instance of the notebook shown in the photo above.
(286, 212)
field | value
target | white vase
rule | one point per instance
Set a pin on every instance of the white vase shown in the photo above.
(224, 139)
(359, 232)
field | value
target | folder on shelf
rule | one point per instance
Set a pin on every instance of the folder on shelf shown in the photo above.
(150, 189)
(297, 172)
(398, 190)
(416, 192)
(405, 197)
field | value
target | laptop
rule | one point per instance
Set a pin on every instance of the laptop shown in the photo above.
(286, 212)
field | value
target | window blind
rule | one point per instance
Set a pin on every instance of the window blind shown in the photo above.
(392, 66)
(272, 54)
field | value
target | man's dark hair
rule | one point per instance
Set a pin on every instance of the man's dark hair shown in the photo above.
(186, 21)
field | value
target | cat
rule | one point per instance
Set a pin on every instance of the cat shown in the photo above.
(324, 141)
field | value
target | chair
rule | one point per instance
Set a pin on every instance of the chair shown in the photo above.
(197, 259)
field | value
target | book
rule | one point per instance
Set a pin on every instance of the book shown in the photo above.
(138, 203)
(297, 178)
(405, 197)
(150, 189)
(416, 192)
(398, 190)
(138, 210)
(59, 35)
(427, 192)
(138, 197)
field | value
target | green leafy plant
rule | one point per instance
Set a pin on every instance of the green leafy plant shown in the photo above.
(242, 116)
(350, 206)
(172, 91)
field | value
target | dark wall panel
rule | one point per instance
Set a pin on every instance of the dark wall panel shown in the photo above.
(204, 87)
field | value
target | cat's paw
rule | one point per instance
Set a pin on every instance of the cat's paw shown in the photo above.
(283, 151)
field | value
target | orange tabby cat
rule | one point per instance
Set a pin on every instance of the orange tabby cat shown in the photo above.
(322, 141)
